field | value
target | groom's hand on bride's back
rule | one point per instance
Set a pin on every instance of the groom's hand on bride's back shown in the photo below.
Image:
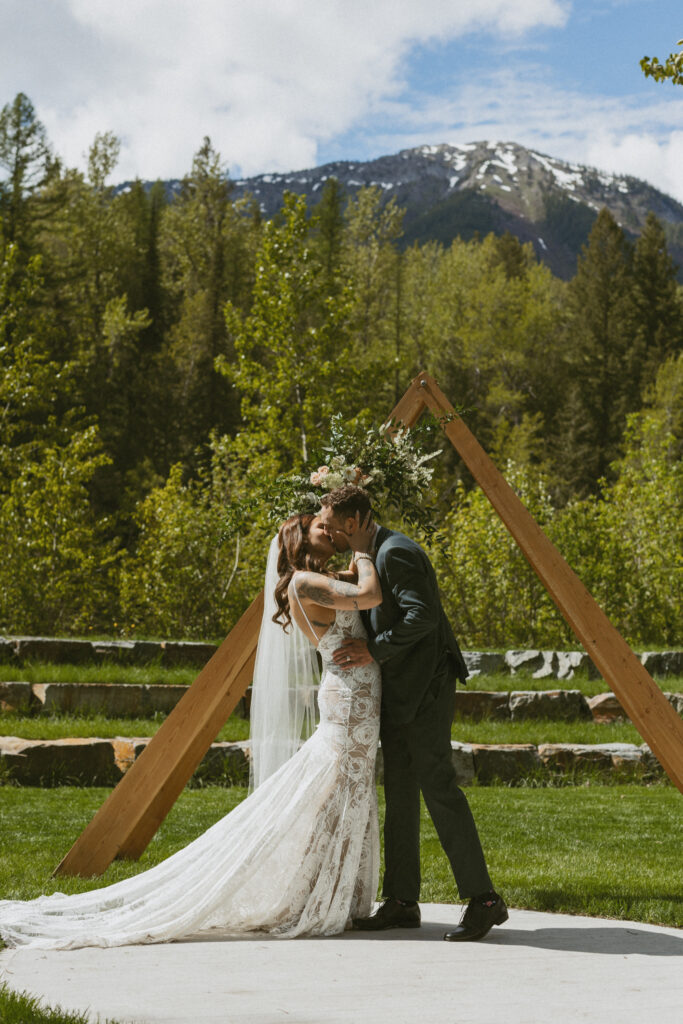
(352, 653)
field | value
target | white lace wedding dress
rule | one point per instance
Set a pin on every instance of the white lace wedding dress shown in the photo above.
(299, 856)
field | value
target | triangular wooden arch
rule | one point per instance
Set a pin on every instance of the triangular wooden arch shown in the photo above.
(133, 812)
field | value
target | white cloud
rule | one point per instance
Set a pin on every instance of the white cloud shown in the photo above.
(656, 160)
(274, 82)
(621, 134)
(268, 80)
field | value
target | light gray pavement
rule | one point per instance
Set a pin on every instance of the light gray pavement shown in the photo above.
(536, 969)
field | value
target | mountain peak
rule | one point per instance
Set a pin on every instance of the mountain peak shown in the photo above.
(466, 189)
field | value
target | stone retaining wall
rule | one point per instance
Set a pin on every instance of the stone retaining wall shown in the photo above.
(103, 762)
(168, 653)
(128, 700)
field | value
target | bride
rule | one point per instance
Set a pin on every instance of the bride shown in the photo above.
(300, 855)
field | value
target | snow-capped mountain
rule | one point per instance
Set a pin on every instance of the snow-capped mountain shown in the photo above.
(480, 187)
(488, 186)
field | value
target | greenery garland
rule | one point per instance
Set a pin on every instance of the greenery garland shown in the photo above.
(394, 468)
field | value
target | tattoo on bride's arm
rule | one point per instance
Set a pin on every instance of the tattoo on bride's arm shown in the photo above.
(324, 595)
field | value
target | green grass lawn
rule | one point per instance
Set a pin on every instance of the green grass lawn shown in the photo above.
(39, 672)
(21, 1008)
(464, 730)
(501, 681)
(52, 727)
(608, 851)
(543, 731)
(48, 672)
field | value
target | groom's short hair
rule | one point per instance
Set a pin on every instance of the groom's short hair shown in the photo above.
(347, 500)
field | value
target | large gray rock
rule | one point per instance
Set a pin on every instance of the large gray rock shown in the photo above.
(111, 699)
(89, 699)
(463, 762)
(68, 762)
(484, 663)
(115, 700)
(7, 653)
(482, 704)
(550, 667)
(509, 762)
(524, 661)
(16, 697)
(38, 648)
(225, 764)
(572, 758)
(605, 708)
(627, 760)
(128, 652)
(652, 764)
(158, 698)
(571, 662)
(663, 663)
(556, 705)
(186, 653)
(126, 750)
(676, 700)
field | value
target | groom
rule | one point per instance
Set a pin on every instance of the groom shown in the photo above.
(410, 637)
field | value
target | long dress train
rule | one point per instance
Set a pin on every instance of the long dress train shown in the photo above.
(299, 856)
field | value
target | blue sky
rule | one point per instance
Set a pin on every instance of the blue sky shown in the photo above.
(287, 84)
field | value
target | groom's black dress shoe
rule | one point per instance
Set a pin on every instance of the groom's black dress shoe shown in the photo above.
(479, 918)
(392, 914)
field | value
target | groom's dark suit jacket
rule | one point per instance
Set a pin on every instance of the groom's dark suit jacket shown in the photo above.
(409, 634)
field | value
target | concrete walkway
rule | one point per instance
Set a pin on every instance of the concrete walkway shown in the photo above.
(538, 968)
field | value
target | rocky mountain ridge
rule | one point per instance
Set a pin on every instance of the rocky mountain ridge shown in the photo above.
(449, 191)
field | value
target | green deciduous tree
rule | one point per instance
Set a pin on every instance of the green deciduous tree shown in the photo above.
(182, 579)
(626, 543)
(491, 594)
(57, 571)
(372, 264)
(31, 384)
(293, 362)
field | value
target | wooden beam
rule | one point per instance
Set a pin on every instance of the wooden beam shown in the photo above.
(131, 815)
(408, 409)
(645, 704)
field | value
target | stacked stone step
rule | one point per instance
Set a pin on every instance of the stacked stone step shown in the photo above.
(132, 700)
(172, 653)
(96, 761)
(103, 762)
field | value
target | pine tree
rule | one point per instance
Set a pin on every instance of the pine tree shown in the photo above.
(26, 157)
(328, 229)
(600, 350)
(658, 307)
(207, 245)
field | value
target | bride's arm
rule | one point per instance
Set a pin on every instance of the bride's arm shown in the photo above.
(333, 593)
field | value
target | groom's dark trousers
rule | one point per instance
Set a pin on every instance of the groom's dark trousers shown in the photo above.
(420, 659)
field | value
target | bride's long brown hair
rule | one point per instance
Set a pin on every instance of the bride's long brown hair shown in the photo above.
(292, 556)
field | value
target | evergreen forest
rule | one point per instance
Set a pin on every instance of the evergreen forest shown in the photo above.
(164, 361)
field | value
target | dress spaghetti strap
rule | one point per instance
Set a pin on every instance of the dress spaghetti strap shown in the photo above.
(303, 610)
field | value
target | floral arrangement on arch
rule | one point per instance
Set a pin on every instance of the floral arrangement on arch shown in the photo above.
(394, 469)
